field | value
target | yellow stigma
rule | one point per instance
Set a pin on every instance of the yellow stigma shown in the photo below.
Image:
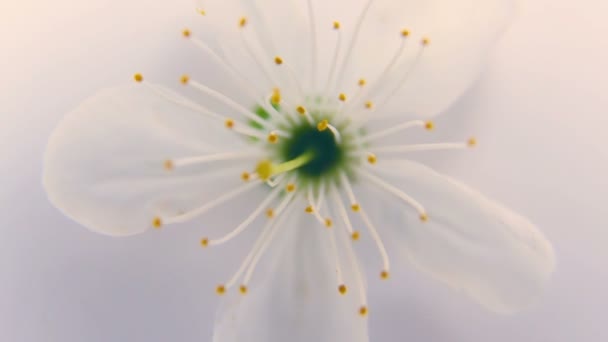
(243, 289)
(355, 207)
(337, 25)
(186, 33)
(265, 169)
(220, 289)
(342, 289)
(328, 223)
(246, 176)
(205, 242)
(229, 123)
(276, 96)
(157, 222)
(429, 125)
(278, 60)
(362, 82)
(138, 77)
(168, 165)
(472, 142)
(372, 159)
(425, 41)
(424, 217)
(290, 187)
(184, 79)
(342, 97)
(355, 236)
(369, 105)
(273, 138)
(309, 209)
(301, 110)
(384, 275)
(270, 213)
(243, 22)
(323, 125)
(405, 33)
(363, 311)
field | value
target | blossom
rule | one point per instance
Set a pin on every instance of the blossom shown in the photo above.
(310, 147)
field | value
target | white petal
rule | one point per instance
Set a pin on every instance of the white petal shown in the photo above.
(296, 297)
(471, 243)
(461, 34)
(104, 164)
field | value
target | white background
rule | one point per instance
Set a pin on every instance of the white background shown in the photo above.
(540, 112)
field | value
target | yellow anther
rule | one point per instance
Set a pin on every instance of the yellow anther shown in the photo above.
(362, 82)
(157, 222)
(246, 176)
(309, 209)
(323, 125)
(201, 11)
(384, 275)
(363, 311)
(229, 123)
(138, 77)
(329, 223)
(372, 159)
(205, 242)
(186, 33)
(424, 217)
(273, 138)
(356, 207)
(278, 60)
(270, 213)
(243, 289)
(220, 289)
(369, 105)
(342, 289)
(184, 79)
(301, 110)
(342, 97)
(472, 142)
(265, 169)
(405, 33)
(290, 187)
(243, 22)
(168, 165)
(429, 125)
(276, 96)
(425, 41)
(337, 25)
(355, 236)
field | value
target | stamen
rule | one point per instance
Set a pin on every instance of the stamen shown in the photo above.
(425, 147)
(257, 60)
(181, 162)
(342, 212)
(245, 224)
(334, 61)
(210, 205)
(396, 129)
(399, 194)
(313, 41)
(268, 240)
(342, 289)
(323, 125)
(138, 78)
(304, 112)
(292, 74)
(376, 237)
(358, 279)
(335, 133)
(349, 191)
(315, 208)
(229, 102)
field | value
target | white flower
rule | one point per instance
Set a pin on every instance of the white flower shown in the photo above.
(311, 137)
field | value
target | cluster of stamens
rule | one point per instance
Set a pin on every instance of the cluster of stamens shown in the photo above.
(282, 176)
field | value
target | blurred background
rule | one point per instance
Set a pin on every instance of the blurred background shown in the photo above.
(539, 111)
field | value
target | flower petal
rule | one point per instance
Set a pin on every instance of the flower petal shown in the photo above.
(471, 243)
(460, 33)
(105, 162)
(296, 298)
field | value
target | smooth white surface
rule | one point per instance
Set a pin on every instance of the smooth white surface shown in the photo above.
(539, 113)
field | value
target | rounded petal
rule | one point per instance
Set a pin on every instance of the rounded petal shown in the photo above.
(469, 242)
(460, 35)
(105, 162)
(296, 298)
